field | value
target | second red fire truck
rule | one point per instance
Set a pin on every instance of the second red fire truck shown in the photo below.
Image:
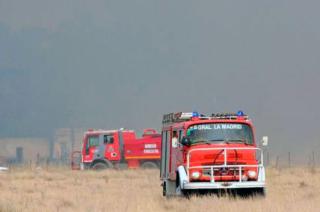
(103, 149)
(212, 153)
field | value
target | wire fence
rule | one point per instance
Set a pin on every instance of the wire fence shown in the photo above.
(290, 160)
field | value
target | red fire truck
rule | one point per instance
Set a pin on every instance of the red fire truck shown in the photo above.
(103, 149)
(211, 153)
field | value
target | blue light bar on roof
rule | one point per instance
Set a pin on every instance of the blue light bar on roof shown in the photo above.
(195, 114)
(240, 113)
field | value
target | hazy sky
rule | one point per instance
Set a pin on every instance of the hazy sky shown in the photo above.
(111, 64)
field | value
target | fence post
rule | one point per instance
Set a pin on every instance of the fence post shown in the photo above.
(277, 162)
(313, 160)
(289, 159)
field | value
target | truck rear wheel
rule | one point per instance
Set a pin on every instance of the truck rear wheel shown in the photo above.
(149, 165)
(102, 165)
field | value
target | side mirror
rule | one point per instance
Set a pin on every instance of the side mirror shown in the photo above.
(264, 141)
(185, 141)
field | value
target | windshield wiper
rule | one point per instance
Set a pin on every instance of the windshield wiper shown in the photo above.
(239, 141)
(221, 140)
(202, 141)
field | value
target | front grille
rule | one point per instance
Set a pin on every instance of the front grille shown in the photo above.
(221, 172)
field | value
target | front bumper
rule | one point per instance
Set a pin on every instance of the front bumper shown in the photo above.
(187, 185)
(222, 185)
(184, 172)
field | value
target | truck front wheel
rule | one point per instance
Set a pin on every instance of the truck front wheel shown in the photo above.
(261, 192)
(102, 165)
(169, 188)
(164, 191)
(149, 165)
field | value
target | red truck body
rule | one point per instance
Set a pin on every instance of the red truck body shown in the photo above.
(112, 148)
(218, 152)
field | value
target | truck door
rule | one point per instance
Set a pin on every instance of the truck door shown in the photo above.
(91, 143)
(180, 158)
(111, 147)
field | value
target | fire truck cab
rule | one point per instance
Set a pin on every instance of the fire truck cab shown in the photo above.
(212, 153)
(103, 149)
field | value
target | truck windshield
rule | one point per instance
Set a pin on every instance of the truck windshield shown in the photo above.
(220, 132)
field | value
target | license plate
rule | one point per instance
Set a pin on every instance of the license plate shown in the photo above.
(226, 184)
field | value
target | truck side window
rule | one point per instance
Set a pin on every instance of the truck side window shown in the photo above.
(108, 139)
(93, 140)
(180, 135)
(175, 139)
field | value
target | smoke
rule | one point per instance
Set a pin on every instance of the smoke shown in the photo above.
(123, 64)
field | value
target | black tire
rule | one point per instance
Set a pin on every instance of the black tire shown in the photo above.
(149, 165)
(102, 165)
(164, 191)
(249, 193)
(169, 189)
(179, 191)
(260, 192)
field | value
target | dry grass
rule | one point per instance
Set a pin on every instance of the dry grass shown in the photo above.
(58, 189)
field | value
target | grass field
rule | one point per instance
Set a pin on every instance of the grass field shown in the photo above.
(60, 189)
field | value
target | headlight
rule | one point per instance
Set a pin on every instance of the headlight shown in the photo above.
(252, 174)
(244, 178)
(195, 175)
